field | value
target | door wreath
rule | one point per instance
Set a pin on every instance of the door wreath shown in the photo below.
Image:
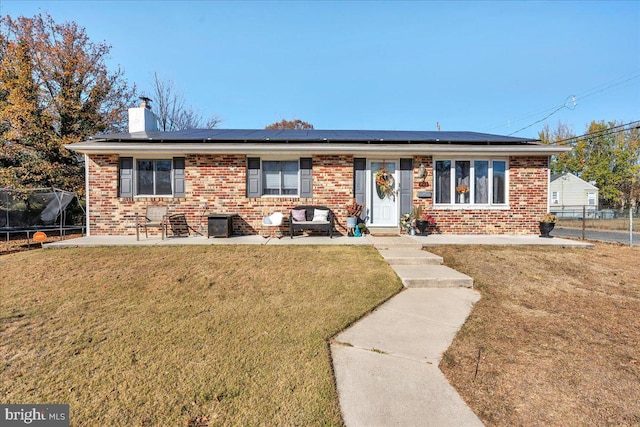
(385, 183)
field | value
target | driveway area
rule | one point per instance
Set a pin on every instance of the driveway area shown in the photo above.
(597, 235)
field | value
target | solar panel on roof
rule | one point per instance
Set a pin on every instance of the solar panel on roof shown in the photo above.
(260, 135)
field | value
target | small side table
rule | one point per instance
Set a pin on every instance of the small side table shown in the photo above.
(220, 225)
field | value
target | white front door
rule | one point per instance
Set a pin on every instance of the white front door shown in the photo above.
(384, 208)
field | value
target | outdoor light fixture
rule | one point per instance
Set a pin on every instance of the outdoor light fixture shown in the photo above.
(422, 172)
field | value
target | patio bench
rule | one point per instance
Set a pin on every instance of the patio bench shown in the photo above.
(311, 220)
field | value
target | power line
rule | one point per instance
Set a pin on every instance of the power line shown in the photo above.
(596, 90)
(573, 100)
(603, 132)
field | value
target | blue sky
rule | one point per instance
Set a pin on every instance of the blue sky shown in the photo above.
(492, 67)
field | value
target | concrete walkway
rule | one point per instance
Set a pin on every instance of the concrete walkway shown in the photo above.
(380, 242)
(499, 240)
(92, 241)
(386, 365)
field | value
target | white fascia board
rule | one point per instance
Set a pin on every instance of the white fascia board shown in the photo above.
(321, 148)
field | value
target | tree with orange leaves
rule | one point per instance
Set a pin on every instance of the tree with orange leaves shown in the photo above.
(55, 89)
(296, 124)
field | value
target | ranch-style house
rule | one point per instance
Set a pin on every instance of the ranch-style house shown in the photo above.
(471, 183)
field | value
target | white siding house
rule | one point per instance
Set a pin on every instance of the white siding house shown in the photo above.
(568, 194)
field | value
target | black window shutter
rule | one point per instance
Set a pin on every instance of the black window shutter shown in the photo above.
(126, 177)
(178, 177)
(359, 182)
(406, 185)
(254, 177)
(306, 177)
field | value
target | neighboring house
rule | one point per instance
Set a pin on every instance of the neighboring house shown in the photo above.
(569, 194)
(256, 172)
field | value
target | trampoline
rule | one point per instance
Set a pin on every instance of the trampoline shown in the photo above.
(27, 211)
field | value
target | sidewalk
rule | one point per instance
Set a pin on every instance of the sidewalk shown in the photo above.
(386, 365)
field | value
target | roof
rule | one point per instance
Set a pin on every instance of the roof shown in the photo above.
(313, 135)
(362, 142)
(575, 178)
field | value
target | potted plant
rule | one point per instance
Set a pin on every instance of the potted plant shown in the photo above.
(547, 222)
(353, 213)
(422, 220)
(462, 190)
(408, 222)
(360, 229)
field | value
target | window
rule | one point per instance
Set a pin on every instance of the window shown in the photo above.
(463, 174)
(591, 199)
(499, 182)
(154, 178)
(555, 197)
(145, 177)
(289, 178)
(481, 181)
(280, 178)
(471, 182)
(443, 181)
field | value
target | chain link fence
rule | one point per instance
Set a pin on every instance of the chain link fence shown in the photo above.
(614, 220)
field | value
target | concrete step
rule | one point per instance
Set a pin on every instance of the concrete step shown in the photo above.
(431, 276)
(409, 257)
(384, 231)
(394, 242)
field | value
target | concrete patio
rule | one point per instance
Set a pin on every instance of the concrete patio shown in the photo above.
(420, 241)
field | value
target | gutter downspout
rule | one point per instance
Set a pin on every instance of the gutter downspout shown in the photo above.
(86, 192)
(548, 184)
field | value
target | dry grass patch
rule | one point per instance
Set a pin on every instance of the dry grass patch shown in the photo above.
(558, 332)
(160, 336)
(17, 243)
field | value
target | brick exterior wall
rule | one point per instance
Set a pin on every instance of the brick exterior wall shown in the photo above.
(527, 194)
(219, 182)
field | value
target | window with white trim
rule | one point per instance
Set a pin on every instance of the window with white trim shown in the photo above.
(153, 177)
(470, 182)
(280, 178)
(555, 197)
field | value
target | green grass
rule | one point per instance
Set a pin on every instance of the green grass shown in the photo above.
(161, 336)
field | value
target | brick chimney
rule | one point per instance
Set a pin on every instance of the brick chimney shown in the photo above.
(142, 119)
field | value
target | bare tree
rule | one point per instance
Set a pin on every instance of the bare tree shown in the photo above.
(172, 112)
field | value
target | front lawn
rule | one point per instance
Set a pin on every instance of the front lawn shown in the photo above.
(555, 339)
(171, 336)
